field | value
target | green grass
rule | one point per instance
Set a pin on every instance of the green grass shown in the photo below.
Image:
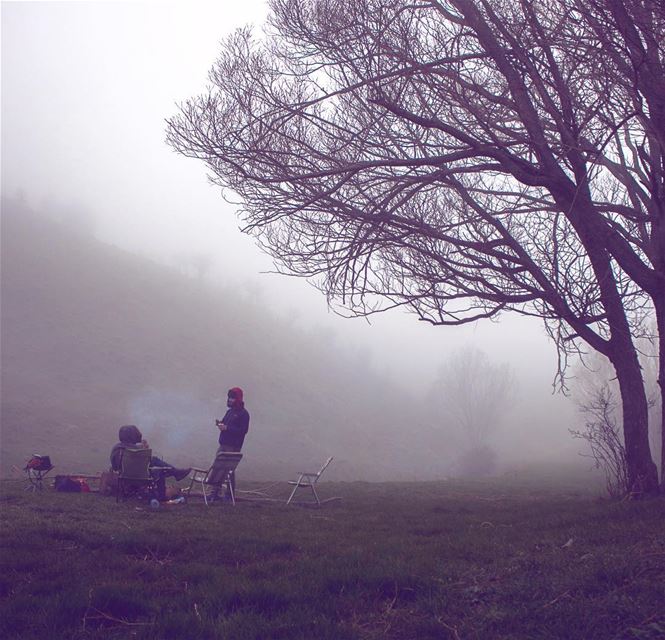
(422, 560)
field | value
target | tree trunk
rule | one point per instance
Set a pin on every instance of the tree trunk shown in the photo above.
(661, 384)
(640, 467)
(660, 323)
(642, 472)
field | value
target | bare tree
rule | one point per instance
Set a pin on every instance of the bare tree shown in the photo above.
(630, 37)
(472, 396)
(458, 158)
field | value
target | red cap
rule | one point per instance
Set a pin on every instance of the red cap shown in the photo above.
(236, 394)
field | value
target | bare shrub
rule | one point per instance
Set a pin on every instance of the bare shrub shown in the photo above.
(603, 435)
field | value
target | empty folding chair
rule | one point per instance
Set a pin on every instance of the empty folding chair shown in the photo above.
(306, 479)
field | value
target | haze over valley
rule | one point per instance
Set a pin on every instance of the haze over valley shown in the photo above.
(94, 337)
(130, 295)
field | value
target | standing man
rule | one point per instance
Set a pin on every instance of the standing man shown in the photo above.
(233, 426)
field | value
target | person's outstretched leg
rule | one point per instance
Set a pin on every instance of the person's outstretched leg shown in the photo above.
(169, 469)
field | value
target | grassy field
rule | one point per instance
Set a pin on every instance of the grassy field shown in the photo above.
(421, 560)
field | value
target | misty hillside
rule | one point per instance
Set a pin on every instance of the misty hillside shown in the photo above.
(94, 337)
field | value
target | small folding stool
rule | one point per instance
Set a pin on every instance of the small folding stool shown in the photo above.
(36, 469)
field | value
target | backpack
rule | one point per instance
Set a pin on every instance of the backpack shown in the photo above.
(67, 484)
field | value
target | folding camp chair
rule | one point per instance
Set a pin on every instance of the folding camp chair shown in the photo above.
(36, 468)
(308, 480)
(134, 471)
(217, 475)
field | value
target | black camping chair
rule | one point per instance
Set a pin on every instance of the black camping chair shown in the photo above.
(134, 472)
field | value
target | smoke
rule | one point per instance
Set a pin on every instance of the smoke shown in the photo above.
(172, 419)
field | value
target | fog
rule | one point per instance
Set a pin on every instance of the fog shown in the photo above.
(86, 89)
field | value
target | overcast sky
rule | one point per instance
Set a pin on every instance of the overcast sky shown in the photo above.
(86, 89)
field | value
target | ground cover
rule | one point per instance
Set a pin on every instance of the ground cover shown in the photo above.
(457, 560)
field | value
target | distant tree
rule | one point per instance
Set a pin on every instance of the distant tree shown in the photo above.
(71, 213)
(195, 265)
(201, 263)
(472, 396)
(458, 158)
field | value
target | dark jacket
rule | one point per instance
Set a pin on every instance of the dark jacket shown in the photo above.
(236, 420)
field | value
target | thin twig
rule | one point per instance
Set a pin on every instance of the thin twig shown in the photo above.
(450, 628)
(105, 616)
(551, 602)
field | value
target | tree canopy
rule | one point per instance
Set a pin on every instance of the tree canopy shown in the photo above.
(459, 158)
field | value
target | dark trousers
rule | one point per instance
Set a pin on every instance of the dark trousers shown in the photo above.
(228, 448)
(160, 475)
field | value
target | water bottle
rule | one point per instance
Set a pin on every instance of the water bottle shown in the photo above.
(154, 504)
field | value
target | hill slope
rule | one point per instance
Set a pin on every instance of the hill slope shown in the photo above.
(94, 337)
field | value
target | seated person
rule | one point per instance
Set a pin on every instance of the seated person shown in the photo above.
(131, 438)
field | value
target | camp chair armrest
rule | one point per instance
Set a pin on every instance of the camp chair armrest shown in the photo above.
(304, 475)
